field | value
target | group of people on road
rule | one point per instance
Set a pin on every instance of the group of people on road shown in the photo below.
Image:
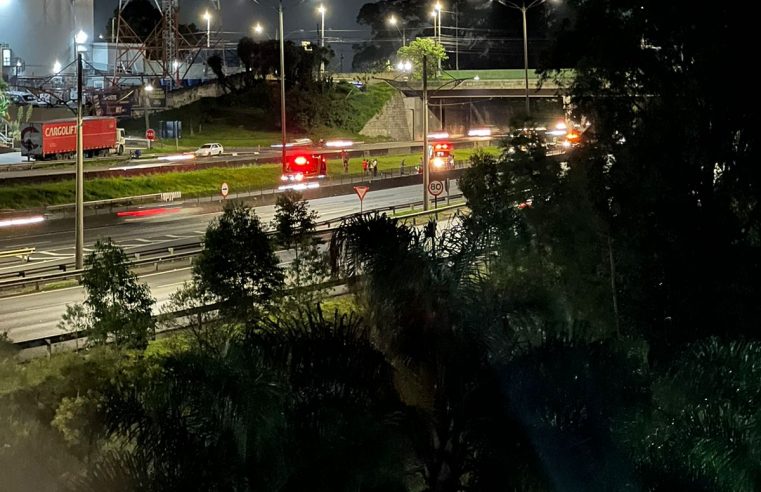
(370, 166)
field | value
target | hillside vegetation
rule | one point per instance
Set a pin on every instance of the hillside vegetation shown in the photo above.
(251, 117)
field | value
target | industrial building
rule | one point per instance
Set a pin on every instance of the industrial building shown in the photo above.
(37, 36)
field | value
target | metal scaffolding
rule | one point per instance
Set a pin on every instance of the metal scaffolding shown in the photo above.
(166, 52)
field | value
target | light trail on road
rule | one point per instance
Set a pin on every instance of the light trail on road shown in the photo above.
(35, 316)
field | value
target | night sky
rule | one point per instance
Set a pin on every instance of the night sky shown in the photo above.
(240, 15)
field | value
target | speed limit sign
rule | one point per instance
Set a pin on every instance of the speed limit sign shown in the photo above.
(225, 190)
(435, 188)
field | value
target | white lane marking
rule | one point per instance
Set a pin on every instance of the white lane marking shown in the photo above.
(58, 255)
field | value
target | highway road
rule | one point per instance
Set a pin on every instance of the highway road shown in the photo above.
(34, 316)
(173, 161)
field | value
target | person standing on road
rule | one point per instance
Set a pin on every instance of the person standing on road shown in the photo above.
(375, 167)
(364, 166)
(345, 160)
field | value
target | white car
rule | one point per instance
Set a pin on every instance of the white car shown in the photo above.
(209, 149)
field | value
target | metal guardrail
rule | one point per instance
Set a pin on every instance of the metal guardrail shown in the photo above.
(64, 338)
(22, 253)
(163, 197)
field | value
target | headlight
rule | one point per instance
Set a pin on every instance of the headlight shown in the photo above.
(438, 162)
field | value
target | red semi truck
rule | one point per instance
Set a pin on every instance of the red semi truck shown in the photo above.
(57, 139)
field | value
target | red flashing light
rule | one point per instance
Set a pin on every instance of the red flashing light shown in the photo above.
(572, 136)
(300, 160)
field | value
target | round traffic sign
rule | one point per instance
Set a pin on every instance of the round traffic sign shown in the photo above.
(150, 134)
(435, 188)
(225, 189)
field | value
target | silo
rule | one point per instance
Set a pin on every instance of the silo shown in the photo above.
(41, 32)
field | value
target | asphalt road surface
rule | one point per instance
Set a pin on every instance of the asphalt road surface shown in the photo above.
(34, 316)
(174, 160)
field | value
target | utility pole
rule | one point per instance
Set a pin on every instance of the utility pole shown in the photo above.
(523, 10)
(456, 37)
(79, 225)
(322, 39)
(426, 177)
(282, 85)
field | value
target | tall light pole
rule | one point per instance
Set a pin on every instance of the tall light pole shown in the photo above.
(426, 176)
(282, 83)
(207, 18)
(322, 37)
(79, 224)
(148, 92)
(437, 12)
(402, 32)
(524, 8)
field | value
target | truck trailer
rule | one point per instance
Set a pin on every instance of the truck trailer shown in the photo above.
(57, 139)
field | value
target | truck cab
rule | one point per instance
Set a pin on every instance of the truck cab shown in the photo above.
(121, 141)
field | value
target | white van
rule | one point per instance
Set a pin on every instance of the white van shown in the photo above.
(25, 98)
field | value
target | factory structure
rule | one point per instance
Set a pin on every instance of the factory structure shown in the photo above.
(40, 41)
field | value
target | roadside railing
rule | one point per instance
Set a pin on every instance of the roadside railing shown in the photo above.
(21, 253)
(35, 277)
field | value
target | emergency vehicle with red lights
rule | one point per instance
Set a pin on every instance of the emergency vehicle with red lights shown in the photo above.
(303, 170)
(441, 155)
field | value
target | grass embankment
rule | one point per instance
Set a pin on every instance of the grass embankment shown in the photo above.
(191, 184)
(247, 119)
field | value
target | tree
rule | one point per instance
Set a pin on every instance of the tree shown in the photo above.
(238, 265)
(701, 431)
(669, 161)
(119, 305)
(3, 101)
(432, 322)
(294, 226)
(190, 308)
(217, 66)
(294, 223)
(343, 425)
(76, 320)
(420, 47)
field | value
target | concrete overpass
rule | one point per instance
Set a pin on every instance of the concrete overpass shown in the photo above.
(460, 100)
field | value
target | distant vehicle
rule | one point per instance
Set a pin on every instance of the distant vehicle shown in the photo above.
(25, 98)
(441, 155)
(299, 142)
(57, 139)
(303, 167)
(485, 131)
(209, 149)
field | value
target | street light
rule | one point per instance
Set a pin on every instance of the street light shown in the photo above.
(402, 32)
(80, 37)
(437, 12)
(258, 29)
(523, 7)
(322, 11)
(207, 18)
(148, 91)
(56, 67)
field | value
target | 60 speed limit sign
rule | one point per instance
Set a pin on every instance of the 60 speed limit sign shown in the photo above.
(435, 188)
